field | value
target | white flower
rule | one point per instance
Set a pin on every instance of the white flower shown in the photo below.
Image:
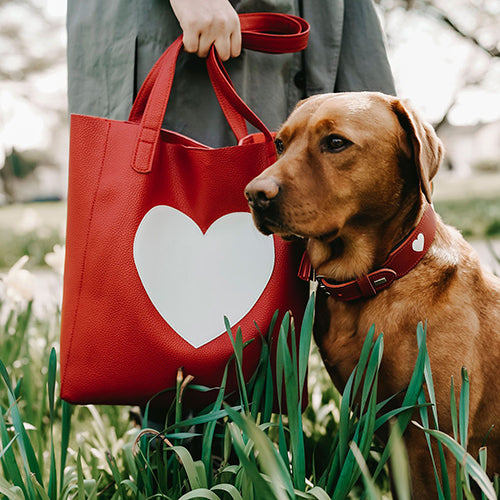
(19, 284)
(55, 259)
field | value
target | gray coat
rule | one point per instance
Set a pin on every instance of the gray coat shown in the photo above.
(112, 45)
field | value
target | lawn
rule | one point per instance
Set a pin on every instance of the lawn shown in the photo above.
(30, 229)
(52, 450)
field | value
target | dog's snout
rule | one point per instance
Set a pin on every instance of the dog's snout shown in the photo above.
(261, 192)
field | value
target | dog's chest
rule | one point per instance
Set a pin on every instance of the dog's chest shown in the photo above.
(335, 333)
(340, 330)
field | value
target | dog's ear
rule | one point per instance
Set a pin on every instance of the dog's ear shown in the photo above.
(426, 149)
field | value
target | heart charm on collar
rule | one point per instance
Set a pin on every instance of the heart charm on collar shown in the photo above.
(418, 244)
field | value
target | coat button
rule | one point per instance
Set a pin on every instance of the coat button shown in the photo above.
(300, 80)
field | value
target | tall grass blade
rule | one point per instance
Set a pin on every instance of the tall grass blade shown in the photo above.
(349, 473)
(116, 473)
(249, 470)
(237, 343)
(269, 391)
(464, 409)
(305, 341)
(9, 463)
(9, 444)
(268, 458)
(11, 492)
(400, 466)
(67, 410)
(454, 424)
(318, 493)
(483, 463)
(345, 419)
(42, 494)
(370, 489)
(51, 385)
(258, 383)
(363, 359)
(386, 417)
(196, 476)
(80, 477)
(470, 466)
(453, 410)
(229, 489)
(410, 399)
(444, 490)
(367, 422)
(280, 376)
(209, 431)
(363, 436)
(424, 417)
(201, 419)
(292, 404)
(28, 457)
(200, 493)
(372, 370)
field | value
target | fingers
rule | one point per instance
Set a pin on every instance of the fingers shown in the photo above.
(221, 31)
(235, 50)
(207, 22)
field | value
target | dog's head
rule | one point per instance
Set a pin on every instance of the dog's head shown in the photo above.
(344, 159)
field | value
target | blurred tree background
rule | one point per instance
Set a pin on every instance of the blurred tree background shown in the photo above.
(464, 34)
(445, 56)
(33, 117)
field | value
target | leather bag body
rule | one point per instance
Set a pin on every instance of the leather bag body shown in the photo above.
(160, 244)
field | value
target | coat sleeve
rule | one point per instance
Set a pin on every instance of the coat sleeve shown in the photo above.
(363, 62)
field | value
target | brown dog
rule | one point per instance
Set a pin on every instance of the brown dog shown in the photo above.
(353, 177)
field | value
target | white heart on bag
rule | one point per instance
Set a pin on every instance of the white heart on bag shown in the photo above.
(418, 244)
(195, 279)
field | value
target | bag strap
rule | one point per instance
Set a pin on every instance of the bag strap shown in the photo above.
(269, 32)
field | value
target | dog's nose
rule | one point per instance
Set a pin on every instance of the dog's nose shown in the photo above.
(260, 192)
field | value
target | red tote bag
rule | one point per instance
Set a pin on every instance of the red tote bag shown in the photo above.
(160, 243)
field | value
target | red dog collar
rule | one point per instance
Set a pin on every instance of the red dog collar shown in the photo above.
(400, 262)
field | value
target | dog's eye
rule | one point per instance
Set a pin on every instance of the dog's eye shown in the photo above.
(280, 147)
(334, 144)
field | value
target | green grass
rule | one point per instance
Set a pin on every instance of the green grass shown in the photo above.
(476, 218)
(30, 229)
(52, 450)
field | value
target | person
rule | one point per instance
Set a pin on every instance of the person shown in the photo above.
(112, 45)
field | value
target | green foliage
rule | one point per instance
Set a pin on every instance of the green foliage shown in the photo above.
(30, 229)
(476, 218)
(239, 450)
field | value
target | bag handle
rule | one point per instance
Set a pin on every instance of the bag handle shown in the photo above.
(272, 33)
(269, 32)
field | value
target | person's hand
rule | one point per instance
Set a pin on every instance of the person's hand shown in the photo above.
(207, 22)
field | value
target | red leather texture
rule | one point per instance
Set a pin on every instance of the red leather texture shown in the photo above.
(116, 348)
